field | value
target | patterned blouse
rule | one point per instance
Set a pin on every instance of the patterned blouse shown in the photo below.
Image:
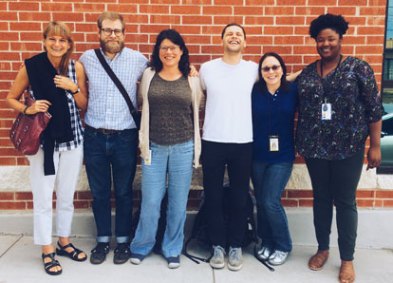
(352, 91)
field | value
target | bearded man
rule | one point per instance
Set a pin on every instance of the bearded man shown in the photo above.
(111, 135)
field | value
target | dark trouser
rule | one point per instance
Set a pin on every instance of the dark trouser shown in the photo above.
(107, 157)
(335, 182)
(237, 158)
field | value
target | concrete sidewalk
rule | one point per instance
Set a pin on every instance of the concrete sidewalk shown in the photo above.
(20, 262)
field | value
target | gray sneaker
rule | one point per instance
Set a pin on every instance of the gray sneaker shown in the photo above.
(217, 260)
(263, 253)
(235, 259)
(278, 257)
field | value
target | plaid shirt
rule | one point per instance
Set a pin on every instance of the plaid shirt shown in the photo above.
(76, 123)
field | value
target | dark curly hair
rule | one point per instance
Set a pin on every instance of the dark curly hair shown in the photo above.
(334, 22)
(261, 82)
(177, 39)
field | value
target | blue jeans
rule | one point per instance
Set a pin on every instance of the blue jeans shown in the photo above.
(171, 167)
(269, 182)
(107, 157)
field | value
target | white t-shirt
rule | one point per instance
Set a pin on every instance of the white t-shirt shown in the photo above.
(228, 100)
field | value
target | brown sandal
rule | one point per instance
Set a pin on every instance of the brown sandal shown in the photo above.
(318, 260)
(347, 272)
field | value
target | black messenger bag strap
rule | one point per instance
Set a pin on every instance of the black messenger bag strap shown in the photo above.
(115, 79)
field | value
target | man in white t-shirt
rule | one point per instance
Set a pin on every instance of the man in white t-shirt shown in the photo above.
(227, 143)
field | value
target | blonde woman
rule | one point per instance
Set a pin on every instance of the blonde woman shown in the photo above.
(58, 85)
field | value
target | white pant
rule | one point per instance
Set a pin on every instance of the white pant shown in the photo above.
(67, 166)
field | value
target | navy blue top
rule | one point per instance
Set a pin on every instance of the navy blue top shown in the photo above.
(273, 115)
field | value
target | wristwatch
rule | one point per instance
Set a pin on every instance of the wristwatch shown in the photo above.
(75, 92)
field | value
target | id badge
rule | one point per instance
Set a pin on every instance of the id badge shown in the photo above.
(148, 159)
(273, 143)
(326, 111)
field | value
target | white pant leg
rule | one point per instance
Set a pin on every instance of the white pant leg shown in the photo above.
(42, 187)
(69, 167)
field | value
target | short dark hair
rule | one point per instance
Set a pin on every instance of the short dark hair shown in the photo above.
(230, 25)
(334, 22)
(284, 82)
(176, 38)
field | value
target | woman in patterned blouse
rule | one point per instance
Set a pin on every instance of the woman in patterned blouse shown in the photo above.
(339, 107)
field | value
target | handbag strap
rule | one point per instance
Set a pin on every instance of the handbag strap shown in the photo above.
(117, 82)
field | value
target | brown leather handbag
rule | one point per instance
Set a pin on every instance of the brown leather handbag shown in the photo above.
(26, 131)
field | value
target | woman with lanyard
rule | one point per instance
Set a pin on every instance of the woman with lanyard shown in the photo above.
(339, 107)
(273, 110)
(58, 85)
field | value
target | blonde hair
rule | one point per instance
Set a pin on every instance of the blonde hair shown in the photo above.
(61, 29)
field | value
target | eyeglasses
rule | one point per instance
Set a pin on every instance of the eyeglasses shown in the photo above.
(274, 68)
(172, 48)
(108, 31)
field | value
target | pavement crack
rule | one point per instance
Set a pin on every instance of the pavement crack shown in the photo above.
(11, 246)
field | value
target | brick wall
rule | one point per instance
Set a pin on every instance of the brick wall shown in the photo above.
(271, 25)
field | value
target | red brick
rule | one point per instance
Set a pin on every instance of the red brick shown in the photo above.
(282, 30)
(8, 205)
(7, 196)
(197, 20)
(365, 194)
(305, 203)
(23, 6)
(343, 11)
(283, 10)
(368, 11)
(23, 195)
(83, 7)
(7, 161)
(384, 194)
(309, 10)
(289, 203)
(84, 195)
(352, 2)
(22, 161)
(299, 194)
(224, 20)
(294, 20)
(81, 204)
(259, 20)
(185, 9)
(159, 19)
(217, 10)
(36, 16)
(365, 202)
(388, 203)
(56, 7)
(248, 10)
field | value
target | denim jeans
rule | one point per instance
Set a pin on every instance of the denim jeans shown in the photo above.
(269, 182)
(171, 167)
(107, 157)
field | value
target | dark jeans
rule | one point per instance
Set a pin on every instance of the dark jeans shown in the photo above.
(237, 159)
(269, 182)
(335, 182)
(111, 157)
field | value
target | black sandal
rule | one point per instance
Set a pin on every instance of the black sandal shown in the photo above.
(74, 255)
(49, 265)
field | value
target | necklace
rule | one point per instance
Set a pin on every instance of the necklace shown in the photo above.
(338, 64)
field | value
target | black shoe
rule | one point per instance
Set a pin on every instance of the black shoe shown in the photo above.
(122, 253)
(98, 254)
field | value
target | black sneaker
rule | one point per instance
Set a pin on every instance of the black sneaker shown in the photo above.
(98, 254)
(122, 253)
